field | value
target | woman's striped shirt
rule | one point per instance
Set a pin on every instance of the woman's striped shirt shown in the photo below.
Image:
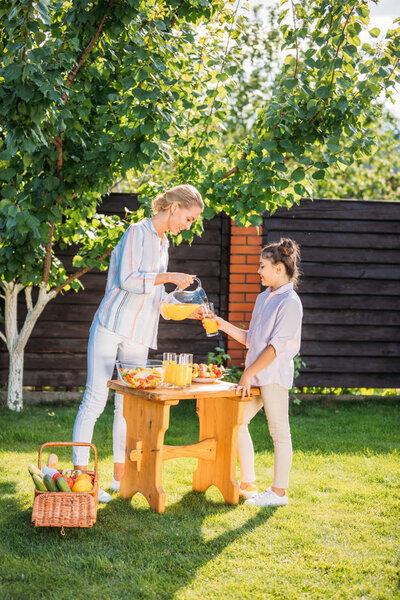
(130, 306)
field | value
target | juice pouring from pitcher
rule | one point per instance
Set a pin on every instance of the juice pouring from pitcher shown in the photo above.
(181, 304)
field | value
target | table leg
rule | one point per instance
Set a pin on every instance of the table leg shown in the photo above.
(146, 422)
(219, 418)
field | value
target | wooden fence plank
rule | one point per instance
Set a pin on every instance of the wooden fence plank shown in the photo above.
(340, 240)
(354, 333)
(346, 255)
(332, 225)
(342, 209)
(359, 302)
(352, 380)
(346, 348)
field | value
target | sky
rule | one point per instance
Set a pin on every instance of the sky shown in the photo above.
(382, 16)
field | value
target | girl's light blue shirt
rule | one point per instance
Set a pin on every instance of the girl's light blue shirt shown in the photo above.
(276, 321)
(130, 306)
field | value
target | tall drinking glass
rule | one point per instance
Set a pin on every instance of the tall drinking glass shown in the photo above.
(189, 369)
(181, 373)
(209, 324)
(169, 362)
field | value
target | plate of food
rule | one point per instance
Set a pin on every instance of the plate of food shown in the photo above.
(207, 373)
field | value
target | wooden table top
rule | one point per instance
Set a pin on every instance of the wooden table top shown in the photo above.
(164, 394)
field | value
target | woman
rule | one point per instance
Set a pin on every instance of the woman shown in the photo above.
(126, 322)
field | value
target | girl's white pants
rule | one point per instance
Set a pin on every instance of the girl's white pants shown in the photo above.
(103, 349)
(275, 400)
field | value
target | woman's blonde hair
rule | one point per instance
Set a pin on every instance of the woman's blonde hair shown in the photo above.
(286, 251)
(185, 195)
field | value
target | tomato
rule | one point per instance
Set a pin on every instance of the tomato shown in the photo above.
(57, 475)
(216, 370)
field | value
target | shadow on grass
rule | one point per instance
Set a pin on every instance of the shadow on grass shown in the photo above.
(130, 552)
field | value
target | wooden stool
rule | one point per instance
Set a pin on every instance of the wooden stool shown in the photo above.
(146, 413)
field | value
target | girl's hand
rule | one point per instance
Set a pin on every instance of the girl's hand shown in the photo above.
(197, 314)
(244, 385)
(182, 280)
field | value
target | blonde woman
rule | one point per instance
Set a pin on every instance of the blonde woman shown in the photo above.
(125, 325)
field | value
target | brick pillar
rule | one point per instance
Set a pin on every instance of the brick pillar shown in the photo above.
(244, 282)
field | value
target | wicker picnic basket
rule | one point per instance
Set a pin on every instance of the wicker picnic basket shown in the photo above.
(66, 509)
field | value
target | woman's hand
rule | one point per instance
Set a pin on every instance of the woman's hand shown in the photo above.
(244, 384)
(182, 280)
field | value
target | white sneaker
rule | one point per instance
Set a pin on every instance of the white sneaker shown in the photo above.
(268, 498)
(249, 492)
(103, 496)
(114, 485)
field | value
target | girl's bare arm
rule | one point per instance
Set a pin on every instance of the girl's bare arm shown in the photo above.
(238, 334)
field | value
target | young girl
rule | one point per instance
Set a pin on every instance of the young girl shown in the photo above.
(126, 322)
(273, 340)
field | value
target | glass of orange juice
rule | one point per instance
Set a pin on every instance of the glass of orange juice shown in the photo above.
(169, 361)
(189, 369)
(209, 324)
(182, 371)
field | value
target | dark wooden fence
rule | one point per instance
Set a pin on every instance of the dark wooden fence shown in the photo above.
(350, 290)
(56, 352)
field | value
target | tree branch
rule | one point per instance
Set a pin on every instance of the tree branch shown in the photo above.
(72, 76)
(28, 298)
(3, 337)
(234, 170)
(175, 14)
(81, 272)
(47, 258)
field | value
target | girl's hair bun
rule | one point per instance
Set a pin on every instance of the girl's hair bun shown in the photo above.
(288, 247)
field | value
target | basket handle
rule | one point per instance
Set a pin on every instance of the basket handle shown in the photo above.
(52, 444)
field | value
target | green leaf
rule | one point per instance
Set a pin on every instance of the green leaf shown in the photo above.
(375, 32)
(289, 83)
(298, 174)
(9, 191)
(269, 145)
(7, 174)
(256, 220)
(318, 174)
(43, 11)
(12, 72)
(51, 182)
(323, 91)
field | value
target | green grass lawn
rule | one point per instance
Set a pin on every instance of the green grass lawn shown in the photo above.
(338, 538)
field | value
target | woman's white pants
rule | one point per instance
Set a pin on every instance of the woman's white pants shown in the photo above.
(104, 348)
(275, 400)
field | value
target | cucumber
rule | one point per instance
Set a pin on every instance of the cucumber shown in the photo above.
(49, 483)
(62, 485)
(33, 470)
(38, 481)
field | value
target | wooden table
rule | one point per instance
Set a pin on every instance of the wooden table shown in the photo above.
(146, 412)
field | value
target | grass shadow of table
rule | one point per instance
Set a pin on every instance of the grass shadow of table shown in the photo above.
(169, 549)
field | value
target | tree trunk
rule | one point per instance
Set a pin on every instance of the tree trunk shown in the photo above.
(15, 381)
(17, 340)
